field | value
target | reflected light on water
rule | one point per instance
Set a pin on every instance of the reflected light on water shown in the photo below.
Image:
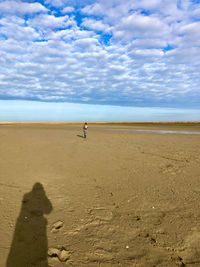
(155, 131)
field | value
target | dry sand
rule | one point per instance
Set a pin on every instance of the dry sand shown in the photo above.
(114, 199)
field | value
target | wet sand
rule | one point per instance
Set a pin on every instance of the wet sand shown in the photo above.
(114, 199)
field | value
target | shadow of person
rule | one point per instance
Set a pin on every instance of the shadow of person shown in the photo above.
(29, 245)
(80, 135)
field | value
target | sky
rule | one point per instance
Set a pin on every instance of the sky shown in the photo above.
(40, 111)
(103, 58)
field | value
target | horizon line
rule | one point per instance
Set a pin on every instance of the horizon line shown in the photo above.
(96, 122)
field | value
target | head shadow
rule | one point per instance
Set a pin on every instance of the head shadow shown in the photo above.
(29, 245)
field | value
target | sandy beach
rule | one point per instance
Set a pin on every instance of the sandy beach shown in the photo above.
(116, 198)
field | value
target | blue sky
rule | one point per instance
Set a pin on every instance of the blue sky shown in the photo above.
(42, 111)
(131, 54)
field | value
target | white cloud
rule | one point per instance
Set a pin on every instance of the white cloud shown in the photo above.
(191, 29)
(140, 53)
(56, 3)
(148, 5)
(149, 43)
(11, 20)
(95, 9)
(191, 33)
(11, 46)
(125, 20)
(196, 12)
(87, 43)
(184, 55)
(97, 25)
(71, 34)
(114, 10)
(49, 21)
(151, 55)
(137, 25)
(16, 29)
(68, 9)
(18, 7)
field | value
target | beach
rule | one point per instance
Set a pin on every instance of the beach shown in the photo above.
(116, 198)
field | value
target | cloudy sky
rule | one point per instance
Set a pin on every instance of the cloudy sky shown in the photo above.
(133, 53)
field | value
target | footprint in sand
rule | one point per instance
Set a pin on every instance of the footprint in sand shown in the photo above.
(190, 250)
(178, 260)
(56, 226)
(170, 169)
(62, 254)
(101, 213)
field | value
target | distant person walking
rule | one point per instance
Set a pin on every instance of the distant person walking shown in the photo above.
(85, 127)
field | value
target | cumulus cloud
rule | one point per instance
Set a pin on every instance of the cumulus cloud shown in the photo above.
(116, 52)
(17, 32)
(97, 25)
(196, 12)
(87, 43)
(19, 7)
(56, 3)
(146, 53)
(68, 9)
(94, 9)
(49, 21)
(190, 34)
(148, 43)
(137, 25)
(184, 55)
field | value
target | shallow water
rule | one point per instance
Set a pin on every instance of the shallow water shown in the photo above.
(155, 131)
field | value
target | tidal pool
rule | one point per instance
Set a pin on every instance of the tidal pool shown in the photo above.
(155, 131)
